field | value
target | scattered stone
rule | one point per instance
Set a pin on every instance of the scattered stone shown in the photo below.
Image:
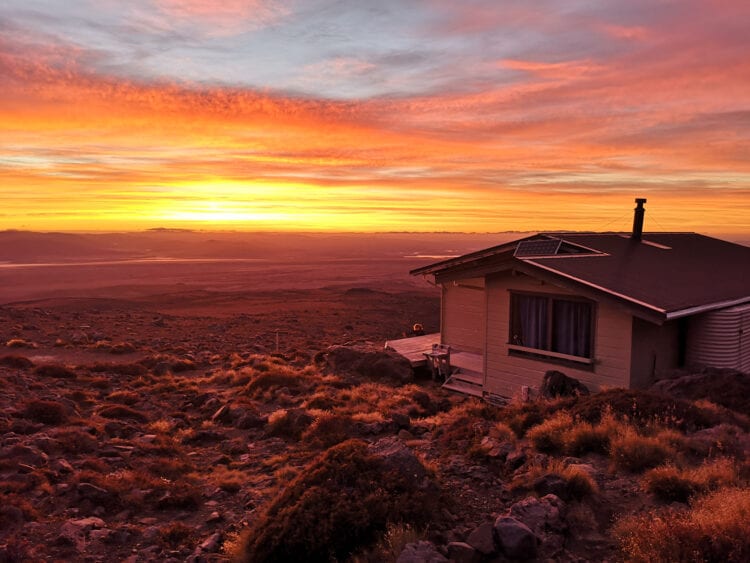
(542, 515)
(93, 493)
(420, 552)
(515, 538)
(515, 459)
(401, 420)
(551, 483)
(482, 539)
(460, 552)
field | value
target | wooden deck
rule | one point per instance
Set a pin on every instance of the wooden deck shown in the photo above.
(415, 347)
(468, 368)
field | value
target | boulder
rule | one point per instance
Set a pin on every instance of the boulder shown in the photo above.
(542, 515)
(515, 539)
(420, 552)
(460, 552)
(482, 539)
(368, 361)
(551, 484)
(557, 384)
(397, 457)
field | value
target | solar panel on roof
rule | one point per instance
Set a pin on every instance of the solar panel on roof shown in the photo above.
(545, 247)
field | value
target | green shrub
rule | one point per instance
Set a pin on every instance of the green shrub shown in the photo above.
(342, 502)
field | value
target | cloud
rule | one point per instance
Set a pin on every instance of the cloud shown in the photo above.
(225, 17)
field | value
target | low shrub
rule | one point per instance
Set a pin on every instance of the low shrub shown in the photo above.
(289, 424)
(714, 529)
(273, 379)
(584, 437)
(56, 371)
(461, 434)
(46, 412)
(340, 503)
(17, 362)
(522, 416)
(329, 429)
(122, 412)
(575, 482)
(119, 369)
(125, 397)
(642, 409)
(671, 484)
(632, 452)
(75, 440)
(177, 534)
(548, 437)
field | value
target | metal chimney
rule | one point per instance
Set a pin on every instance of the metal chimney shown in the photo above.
(638, 218)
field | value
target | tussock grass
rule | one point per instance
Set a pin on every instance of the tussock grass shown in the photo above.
(715, 528)
(46, 412)
(17, 362)
(55, 370)
(670, 483)
(122, 412)
(578, 483)
(548, 437)
(342, 501)
(632, 452)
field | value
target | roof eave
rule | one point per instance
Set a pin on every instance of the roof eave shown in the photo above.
(467, 258)
(698, 309)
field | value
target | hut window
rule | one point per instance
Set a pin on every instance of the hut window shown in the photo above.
(555, 324)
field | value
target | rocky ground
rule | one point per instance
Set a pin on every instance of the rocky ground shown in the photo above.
(137, 432)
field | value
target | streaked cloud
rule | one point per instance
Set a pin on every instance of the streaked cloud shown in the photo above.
(434, 116)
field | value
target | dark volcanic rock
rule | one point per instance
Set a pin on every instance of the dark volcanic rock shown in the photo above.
(369, 361)
(515, 538)
(557, 384)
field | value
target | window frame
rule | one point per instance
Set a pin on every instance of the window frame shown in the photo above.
(549, 355)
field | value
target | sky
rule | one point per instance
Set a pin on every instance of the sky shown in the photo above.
(395, 115)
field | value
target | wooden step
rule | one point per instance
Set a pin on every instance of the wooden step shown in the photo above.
(463, 387)
(473, 377)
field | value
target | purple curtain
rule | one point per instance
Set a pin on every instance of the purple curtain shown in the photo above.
(571, 328)
(530, 318)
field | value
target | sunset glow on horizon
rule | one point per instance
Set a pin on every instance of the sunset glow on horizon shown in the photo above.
(391, 116)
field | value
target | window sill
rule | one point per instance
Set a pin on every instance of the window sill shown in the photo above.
(547, 355)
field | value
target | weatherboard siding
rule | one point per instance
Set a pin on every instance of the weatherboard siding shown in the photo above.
(464, 306)
(505, 374)
(655, 352)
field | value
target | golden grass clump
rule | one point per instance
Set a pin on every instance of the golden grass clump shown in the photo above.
(579, 484)
(715, 528)
(329, 429)
(632, 452)
(548, 437)
(343, 501)
(670, 483)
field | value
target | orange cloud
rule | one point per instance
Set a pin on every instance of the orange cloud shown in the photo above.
(565, 145)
